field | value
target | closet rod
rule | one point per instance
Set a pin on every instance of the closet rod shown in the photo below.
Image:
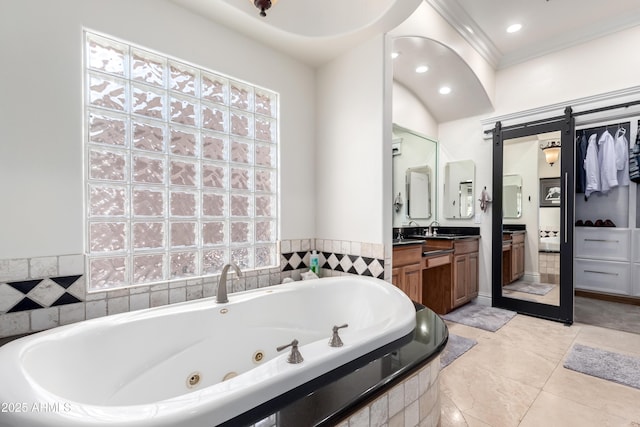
(609, 107)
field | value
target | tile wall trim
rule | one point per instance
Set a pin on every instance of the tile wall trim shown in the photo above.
(45, 292)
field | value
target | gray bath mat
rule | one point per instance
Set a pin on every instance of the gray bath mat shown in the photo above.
(480, 316)
(607, 365)
(456, 347)
(529, 288)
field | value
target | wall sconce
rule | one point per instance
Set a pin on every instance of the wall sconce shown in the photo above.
(264, 5)
(551, 151)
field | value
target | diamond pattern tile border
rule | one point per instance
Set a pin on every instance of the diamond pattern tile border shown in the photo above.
(34, 295)
(363, 266)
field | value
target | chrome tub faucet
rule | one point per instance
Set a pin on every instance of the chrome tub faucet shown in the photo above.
(335, 340)
(221, 296)
(295, 356)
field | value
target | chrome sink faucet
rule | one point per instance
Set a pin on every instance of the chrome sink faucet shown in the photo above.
(431, 227)
(221, 296)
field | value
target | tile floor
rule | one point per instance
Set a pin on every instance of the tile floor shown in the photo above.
(515, 377)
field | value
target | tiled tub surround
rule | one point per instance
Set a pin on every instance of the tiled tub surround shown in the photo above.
(45, 292)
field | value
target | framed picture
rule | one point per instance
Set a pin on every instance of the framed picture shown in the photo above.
(549, 192)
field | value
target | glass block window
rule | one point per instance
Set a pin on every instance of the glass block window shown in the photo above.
(181, 168)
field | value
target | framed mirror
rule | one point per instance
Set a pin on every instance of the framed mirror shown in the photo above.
(511, 196)
(415, 162)
(459, 191)
(521, 277)
(418, 182)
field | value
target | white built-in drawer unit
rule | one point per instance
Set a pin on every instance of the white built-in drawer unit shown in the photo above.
(605, 243)
(602, 276)
(635, 284)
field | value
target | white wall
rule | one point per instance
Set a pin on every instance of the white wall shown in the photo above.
(463, 140)
(410, 113)
(596, 67)
(41, 153)
(351, 150)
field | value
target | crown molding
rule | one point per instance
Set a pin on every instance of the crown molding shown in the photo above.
(460, 20)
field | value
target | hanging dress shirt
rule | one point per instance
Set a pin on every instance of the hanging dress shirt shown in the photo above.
(592, 167)
(607, 160)
(621, 145)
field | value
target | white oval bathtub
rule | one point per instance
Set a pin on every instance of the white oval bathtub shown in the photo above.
(133, 369)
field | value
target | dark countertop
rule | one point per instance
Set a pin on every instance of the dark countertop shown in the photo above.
(328, 399)
(405, 242)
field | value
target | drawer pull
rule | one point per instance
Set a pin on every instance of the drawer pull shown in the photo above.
(601, 240)
(601, 272)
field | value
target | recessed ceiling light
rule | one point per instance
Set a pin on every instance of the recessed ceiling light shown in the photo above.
(394, 55)
(514, 28)
(445, 90)
(422, 69)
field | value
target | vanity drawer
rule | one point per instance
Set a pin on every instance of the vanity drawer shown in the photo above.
(602, 276)
(603, 243)
(517, 238)
(465, 246)
(406, 255)
(436, 261)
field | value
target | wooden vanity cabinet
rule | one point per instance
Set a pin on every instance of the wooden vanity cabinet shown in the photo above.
(464, 269)
(465, 272)
(512, 257)
(406, 273)
(517, 256)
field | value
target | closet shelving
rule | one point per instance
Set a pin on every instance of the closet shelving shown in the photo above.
(607, 259)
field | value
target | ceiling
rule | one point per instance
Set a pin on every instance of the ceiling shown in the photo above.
(316, 31)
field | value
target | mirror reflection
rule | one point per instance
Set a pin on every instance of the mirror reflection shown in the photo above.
(459, 189)
(418, 182)
(414, 178)
(530, 260)
(512, 196)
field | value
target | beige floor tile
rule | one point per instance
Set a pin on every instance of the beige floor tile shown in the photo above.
(609, 339)
(493, 399)
(546, 338)
(451, 415)
(604, 396)
(474, 422)
(504, 359)
(549, 410)
(469, 332)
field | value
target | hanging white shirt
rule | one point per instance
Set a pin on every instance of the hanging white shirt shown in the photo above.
(607, 161)
(621, 145)
(592, 167)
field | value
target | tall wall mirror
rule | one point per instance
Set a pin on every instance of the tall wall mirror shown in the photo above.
(530, 273)
(459, 189)
(415, 162)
